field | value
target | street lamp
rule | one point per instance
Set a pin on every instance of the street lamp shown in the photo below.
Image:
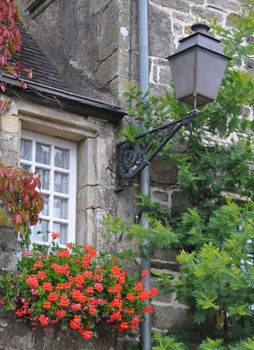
(197, 68)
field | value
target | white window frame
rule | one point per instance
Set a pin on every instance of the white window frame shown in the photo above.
(72, 185)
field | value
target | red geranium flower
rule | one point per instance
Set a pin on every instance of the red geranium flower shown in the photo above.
(53, 296)
(32, 282)
(47, 286)
(55, 235)
(44, 320)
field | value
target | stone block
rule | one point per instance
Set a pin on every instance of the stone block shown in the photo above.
(161, 196)
(232, 16)
(8, 261)
(184, 18)
(160, 33)
(8, 248)
(109, 31)
(197, 2)
(87, 163)
(165, 265)
(128, 66)
(127, 203)
(179, 5)
(108, 69)
(88, 197)
(224, 5)
(17, 335)
(179, 202)
(9, 148)
(250, 64)
(99, 5)
(205, 13)
(81, 223)
(166, 255)
(165, 316)
(10, 124)
(157, 89)
(8, 239)
(162, 173)
(164, 75)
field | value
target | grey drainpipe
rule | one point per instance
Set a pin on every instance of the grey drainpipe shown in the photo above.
(145, 175)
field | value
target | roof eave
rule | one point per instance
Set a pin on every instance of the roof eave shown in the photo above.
(65, 100)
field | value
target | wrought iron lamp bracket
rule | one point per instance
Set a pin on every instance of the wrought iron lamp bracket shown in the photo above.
(133, 157)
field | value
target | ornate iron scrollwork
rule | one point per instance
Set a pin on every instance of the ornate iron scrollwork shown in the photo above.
(133, 157)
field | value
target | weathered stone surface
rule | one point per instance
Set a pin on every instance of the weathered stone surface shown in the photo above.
(179, 202)
(206, 13)
(68, 32)
(165, 265)
(179, 5)
(224, 5)
(250, 64)
(107, 70)
(164, 75)
(166, 255)
(100, 5)
(167, 316)
(160, 33)
(16, 335)
(232, 17)
(8, 248)
(109, 31)
(162, 173)
(161, 196)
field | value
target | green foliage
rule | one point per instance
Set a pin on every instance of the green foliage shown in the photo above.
(166, 343)
(170, 343)
(228, 221)
(212, 280)
(153, 209)
(211, 344)
(157, 236)
(215, 166)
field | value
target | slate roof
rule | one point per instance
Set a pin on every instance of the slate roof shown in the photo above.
(46, 87)
(31, 56)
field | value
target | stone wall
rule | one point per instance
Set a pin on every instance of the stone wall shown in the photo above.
(94, 46)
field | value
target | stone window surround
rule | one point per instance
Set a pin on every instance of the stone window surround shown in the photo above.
(65, 125)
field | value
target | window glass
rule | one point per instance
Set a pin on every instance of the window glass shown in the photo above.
(54, 160)
(26, 149)
(62, 158)
(42, 153)
(61, 182)
(62, 229)
(44, 178)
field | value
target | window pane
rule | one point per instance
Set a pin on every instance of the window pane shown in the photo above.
(62, 157)
(40, 232)
(60, 208)
(26, 149)
(44, 177)
(63, 230)
(61, 182)
(45, 210)
(42, 153)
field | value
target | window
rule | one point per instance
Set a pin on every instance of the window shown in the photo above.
(55, 161)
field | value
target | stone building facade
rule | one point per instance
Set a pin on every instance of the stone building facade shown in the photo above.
(94, 47)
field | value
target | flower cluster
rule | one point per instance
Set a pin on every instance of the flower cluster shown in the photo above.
(76, 289)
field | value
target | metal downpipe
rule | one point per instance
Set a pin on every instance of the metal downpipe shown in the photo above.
(145, 174)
